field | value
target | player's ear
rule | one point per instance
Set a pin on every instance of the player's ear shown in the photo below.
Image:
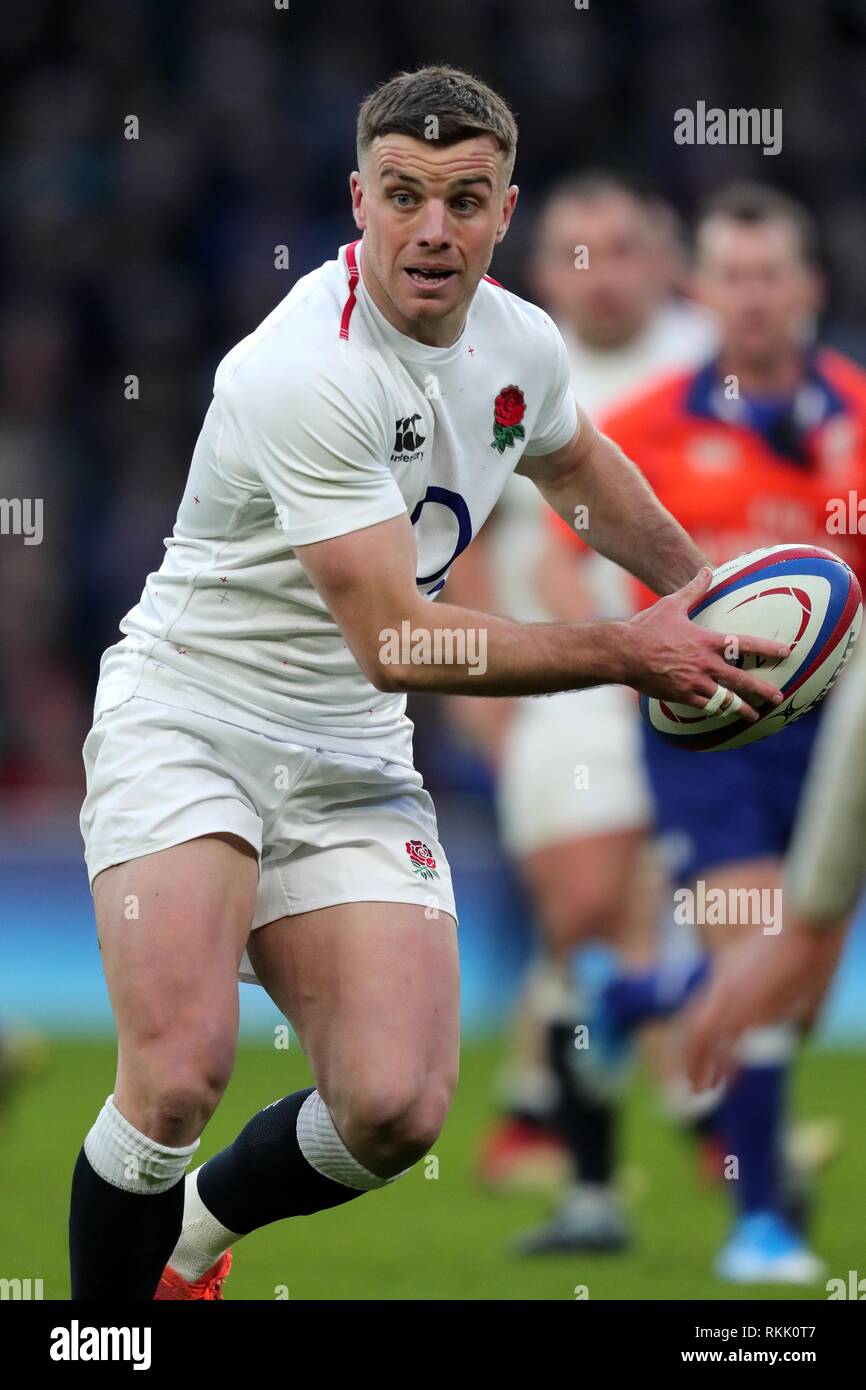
(508, 206)
(356, 193)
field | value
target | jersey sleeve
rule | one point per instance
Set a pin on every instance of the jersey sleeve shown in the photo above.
(557, 418)
(319, 442)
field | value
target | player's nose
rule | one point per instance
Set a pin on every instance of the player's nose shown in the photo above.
(433, 227)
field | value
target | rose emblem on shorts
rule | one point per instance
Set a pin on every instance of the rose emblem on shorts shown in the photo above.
(421, 859)
(509, 409)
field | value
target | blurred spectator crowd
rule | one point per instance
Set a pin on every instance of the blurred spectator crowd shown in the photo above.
(149, 257)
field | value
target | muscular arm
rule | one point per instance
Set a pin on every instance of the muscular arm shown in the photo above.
(625, 521)
(825, 867)
(367, 580)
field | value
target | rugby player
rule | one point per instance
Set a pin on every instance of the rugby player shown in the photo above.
(251, 802)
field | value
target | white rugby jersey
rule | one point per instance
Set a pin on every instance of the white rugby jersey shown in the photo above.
(326, 420)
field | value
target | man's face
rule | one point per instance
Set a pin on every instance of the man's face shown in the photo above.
(431, 216)
(754, 279)
(608, 299)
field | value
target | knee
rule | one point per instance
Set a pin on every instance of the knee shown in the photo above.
(178, 1109)
(571, 917)
(391, 1126)
(175, 1087)
(402, 1126)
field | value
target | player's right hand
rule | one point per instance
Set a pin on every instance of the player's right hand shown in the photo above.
(674, 659)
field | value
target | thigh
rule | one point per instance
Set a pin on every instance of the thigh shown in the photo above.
(582, 889)
(172, 928)
(372, 990)
(638, 940)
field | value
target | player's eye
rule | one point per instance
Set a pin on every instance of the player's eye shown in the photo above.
(402, 193)
(465, 204)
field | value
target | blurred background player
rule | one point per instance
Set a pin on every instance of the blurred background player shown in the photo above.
(573, 801)
(747, 451)
(767, 978)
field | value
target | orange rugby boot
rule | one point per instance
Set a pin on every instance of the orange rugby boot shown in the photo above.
(210, 1285)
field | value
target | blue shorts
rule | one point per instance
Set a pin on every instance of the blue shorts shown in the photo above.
(728, 806)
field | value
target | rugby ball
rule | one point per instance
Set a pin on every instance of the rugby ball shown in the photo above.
(797, 594)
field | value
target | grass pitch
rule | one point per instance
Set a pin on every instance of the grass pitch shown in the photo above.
(435, 1234)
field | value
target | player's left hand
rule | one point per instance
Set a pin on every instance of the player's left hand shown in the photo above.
(762, 979)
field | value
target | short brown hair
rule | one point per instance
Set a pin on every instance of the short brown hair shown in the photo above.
(462, 104)
(754, 204)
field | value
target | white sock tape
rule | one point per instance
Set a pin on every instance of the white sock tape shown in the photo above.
(325, 1151)
(128, 1159)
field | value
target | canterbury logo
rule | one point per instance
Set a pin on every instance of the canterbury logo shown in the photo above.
(406, 436)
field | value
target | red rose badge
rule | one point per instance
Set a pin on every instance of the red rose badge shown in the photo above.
(421, 859)
(508, 411)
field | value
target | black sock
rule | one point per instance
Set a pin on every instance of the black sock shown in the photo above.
(586, 1122)
(119, 1241)
(264, 1177)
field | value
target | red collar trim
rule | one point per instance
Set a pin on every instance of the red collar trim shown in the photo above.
(352, 264)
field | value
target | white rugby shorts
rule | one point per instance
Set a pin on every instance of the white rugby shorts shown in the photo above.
(572, 768)
(328, 826)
